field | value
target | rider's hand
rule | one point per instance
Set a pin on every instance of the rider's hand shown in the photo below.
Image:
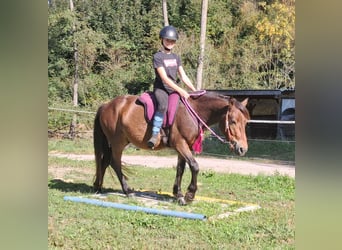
(185, 95)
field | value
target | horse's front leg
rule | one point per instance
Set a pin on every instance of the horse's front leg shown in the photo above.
(185, 154)
(177, 187)
(192, 188)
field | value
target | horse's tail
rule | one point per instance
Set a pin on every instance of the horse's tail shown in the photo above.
(102, 151)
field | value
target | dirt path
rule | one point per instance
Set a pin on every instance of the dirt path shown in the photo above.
(205, 163)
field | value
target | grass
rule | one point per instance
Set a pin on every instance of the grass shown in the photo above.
(257, 149)
(81, 226)
(260, 150)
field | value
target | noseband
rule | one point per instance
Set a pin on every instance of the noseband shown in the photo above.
(226, 129)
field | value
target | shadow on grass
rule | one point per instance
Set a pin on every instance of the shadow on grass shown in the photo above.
(83, 188)
(64, 186)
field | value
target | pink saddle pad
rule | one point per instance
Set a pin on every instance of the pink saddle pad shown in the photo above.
(149, 101)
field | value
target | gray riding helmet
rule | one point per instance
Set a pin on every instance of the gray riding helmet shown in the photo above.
(169, 32)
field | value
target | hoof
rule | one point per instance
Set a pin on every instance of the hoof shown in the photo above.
(131, 195)
(181, 201)
(130, 192)
(98, 190)
(189, 197)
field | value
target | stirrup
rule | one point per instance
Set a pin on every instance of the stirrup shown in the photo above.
(153, 141)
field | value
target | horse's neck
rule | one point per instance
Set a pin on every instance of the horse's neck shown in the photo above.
(210, 108)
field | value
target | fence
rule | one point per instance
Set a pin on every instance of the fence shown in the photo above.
(281, 130)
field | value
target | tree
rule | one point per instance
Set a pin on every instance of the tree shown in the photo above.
(166, 19)
(75, 81)
(276, 34)
(105, 47)
(204, 12)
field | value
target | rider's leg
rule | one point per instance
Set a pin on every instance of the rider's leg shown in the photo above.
(162, 100)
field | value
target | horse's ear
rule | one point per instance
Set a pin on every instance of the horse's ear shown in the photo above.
(244, 102)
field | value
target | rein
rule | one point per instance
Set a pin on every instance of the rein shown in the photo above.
(195, 115)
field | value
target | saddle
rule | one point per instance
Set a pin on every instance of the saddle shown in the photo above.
(150, 104)
(148, 100)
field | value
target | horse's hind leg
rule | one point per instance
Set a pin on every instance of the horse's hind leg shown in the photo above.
(177, 189)
(117, 166)
(102, 162)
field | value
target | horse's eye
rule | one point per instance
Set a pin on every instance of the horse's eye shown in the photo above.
(233, 122)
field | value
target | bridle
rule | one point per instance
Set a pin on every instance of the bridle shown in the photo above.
(226, 129)
(196, 116)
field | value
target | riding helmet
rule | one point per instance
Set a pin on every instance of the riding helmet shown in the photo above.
(169, 32)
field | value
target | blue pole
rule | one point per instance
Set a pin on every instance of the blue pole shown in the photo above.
(164, 212)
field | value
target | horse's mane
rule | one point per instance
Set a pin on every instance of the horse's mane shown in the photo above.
(231, 99)
(242, 108)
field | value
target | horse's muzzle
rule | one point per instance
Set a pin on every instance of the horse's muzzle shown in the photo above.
(238, 149)
(241, 151)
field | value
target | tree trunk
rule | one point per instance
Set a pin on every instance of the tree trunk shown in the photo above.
(199, 77)
(72, 131)
(166, 19)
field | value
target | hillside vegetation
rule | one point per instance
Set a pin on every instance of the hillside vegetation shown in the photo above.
(249, 45)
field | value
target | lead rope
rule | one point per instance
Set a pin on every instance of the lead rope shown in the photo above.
(194, 114)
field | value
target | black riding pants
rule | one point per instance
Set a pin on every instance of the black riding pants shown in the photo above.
(162, 99)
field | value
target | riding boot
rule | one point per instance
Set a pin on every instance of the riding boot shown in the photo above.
(157, 124)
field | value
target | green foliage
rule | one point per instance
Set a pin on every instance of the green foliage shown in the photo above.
(58, 120)
(250, 45)
(60, 44)
(276, 33)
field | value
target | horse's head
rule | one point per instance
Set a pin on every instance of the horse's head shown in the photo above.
(234, 125)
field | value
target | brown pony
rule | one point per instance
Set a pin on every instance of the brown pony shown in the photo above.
(121, 121)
